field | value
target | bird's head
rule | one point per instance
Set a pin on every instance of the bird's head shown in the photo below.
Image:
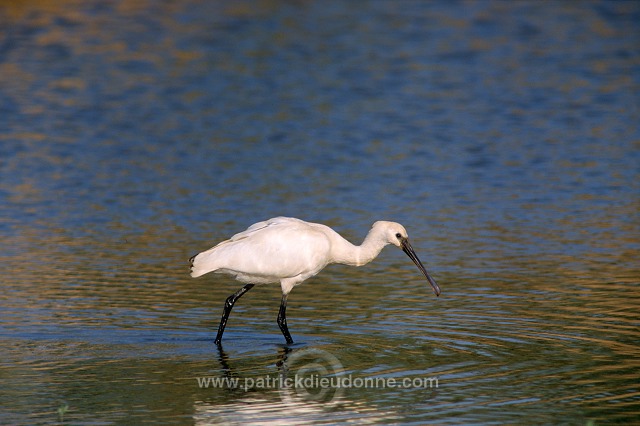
(390, 232)
(394, 233)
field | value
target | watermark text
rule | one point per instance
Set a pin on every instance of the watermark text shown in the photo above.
(315, 381)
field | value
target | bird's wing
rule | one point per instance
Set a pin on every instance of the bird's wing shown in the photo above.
(279, 247)
(259, 226)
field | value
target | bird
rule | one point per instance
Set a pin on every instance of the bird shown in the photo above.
(288, 251)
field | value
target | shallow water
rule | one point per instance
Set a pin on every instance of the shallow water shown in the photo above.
(502, 135)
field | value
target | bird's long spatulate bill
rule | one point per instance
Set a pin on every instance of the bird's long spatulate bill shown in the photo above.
(406, 247)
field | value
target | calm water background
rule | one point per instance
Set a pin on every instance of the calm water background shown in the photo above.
(503, 135)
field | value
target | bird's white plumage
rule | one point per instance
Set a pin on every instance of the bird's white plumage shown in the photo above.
(271, 251)
(289, 250)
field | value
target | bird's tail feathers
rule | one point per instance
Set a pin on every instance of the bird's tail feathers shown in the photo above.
(199, 264)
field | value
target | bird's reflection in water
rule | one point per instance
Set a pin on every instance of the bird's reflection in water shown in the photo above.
(281, 361)
(284, 402)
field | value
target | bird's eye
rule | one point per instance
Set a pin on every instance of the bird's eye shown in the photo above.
(398, 236)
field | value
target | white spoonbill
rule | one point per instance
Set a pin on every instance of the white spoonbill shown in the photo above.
(288, 251)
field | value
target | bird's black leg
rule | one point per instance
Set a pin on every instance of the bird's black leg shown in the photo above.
(228, 305)
(282, 320)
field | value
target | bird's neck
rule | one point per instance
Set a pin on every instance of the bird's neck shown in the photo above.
(349, 254)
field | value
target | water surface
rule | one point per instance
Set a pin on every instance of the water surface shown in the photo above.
(503, 136)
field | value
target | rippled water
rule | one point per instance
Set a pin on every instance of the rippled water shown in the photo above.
(503, 135)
